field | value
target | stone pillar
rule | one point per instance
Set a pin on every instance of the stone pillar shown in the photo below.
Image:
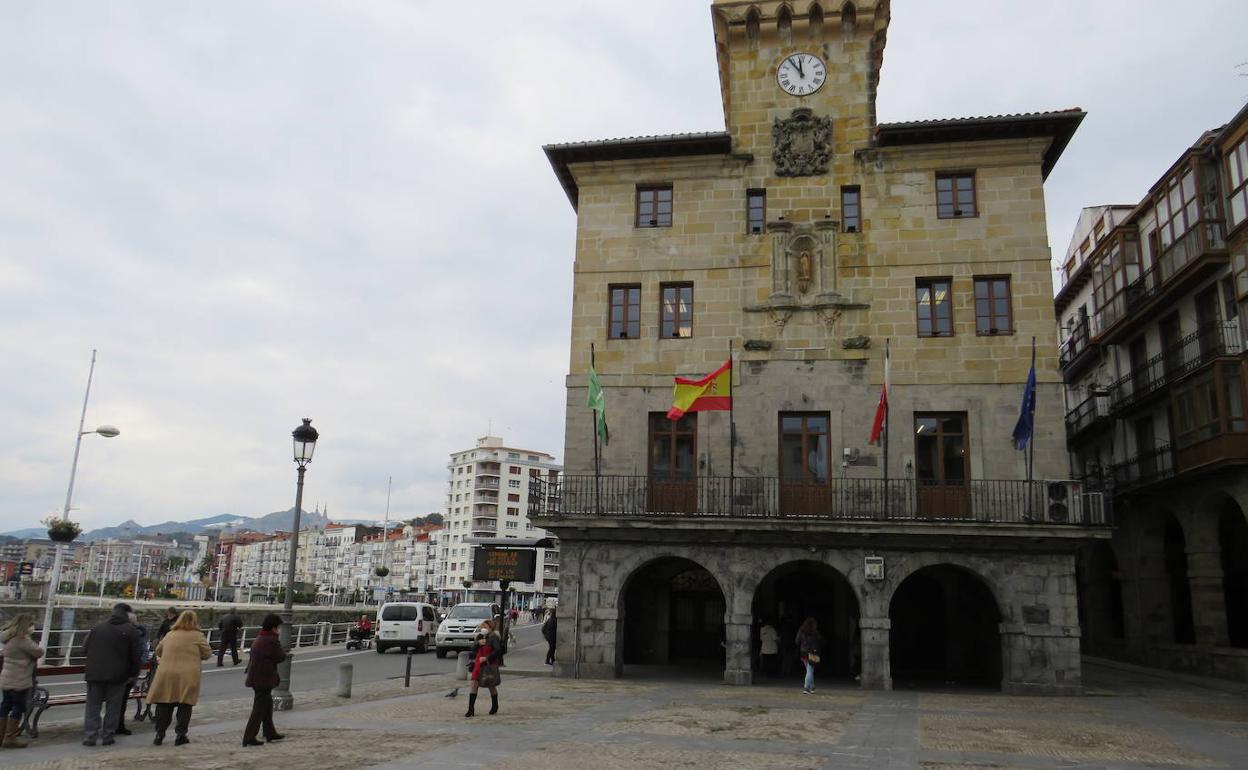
(1040, 659)
(780, 232)
(737, 652)
(1204, 573)
(876, 673)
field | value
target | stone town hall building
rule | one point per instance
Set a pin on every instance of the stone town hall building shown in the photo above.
(804, 236)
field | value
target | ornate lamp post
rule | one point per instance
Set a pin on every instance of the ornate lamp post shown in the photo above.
(68, 532)
(305, 437)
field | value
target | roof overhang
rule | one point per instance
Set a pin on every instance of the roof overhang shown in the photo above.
(1059, 127)
(561, 156)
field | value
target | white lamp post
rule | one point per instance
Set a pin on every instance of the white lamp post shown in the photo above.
(107, 431)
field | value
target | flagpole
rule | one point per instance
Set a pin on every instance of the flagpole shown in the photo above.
(593, 426)
(888, 407)
(732, 433)
(1031, 444)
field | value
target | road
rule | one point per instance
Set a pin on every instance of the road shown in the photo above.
(316, 668)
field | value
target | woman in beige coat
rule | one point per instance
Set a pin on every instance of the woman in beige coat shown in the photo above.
(20, 655)
(177, 677)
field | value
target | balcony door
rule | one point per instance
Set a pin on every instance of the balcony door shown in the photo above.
(804, 463)
(1137, 351)
(1208, 329)
(942, 464)
(1171, 338)
(1145, 445)
(673, 463)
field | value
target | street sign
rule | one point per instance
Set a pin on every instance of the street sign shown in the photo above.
(26, 568)
(516, 565)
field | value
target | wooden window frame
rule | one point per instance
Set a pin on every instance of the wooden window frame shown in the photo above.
(628, 309)
(988, 281)
(672, 429)
(929, 284)
(856, 218)
(652, 194)
(751, 221)
(955, 212)
(805, 433)
(676, 319)
(1237, 165)
(1176, 223)
(940, 418)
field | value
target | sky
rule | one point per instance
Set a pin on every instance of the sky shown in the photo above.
(263, 211)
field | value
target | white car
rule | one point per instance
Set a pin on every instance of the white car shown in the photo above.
(459, 627)
(408, 625)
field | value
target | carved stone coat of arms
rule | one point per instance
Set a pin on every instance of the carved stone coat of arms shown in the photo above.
(803, 144)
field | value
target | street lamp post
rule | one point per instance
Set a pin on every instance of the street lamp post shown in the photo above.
(305, 437)
(107, 431)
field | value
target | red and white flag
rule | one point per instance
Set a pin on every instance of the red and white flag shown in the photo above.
(881, 411)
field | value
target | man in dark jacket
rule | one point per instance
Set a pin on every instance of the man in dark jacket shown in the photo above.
(550, 632)
(229, 625)
(171, 617)
(113, 659)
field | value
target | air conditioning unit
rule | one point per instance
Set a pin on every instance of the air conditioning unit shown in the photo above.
(1069, 502)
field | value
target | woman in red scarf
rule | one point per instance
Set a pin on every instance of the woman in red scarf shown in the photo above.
(489, 648)
(262, 677)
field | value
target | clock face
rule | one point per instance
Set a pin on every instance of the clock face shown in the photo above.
(801, 74)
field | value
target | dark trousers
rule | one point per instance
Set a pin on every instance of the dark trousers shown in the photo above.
(14, 704)
(550, 651)
(261, 714)
(164, 715)
(112, 697)
(232, 643)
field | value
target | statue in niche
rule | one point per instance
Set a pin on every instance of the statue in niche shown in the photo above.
(805, 272)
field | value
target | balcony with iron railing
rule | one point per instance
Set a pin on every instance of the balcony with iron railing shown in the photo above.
(1180, 265)
(1186, 357)
(1091, 413)
(485, 483)
(1144, 469)
(1077, 350)
(859, 501)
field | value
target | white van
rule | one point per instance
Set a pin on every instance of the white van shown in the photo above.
(409, 625)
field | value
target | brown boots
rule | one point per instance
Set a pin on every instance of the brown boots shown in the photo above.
(8, 734)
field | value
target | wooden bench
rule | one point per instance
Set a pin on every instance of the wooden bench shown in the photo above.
(41, 699)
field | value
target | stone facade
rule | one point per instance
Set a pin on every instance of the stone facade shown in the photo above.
(806, 304)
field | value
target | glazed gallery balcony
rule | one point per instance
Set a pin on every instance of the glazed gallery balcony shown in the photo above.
(1189, 355)
(975, 501)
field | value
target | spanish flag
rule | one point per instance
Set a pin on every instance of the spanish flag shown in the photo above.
(712, 393)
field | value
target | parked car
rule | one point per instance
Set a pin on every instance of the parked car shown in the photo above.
(408, 625)
(459, 628)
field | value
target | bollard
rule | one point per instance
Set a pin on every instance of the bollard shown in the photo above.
(407, 673)
(461, 666)
(345, 671)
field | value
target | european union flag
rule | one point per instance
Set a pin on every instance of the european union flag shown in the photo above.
(1026, 424)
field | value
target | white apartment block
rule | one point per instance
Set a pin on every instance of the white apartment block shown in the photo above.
(487, 496)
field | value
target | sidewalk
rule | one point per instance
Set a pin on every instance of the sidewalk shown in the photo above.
(547, 724)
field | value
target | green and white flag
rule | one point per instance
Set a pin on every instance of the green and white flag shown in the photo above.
(598, 402)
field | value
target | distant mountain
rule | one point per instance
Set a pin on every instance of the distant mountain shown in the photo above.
(269, 522)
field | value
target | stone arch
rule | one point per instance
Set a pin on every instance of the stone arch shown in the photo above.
(816, 21)
(849, 19)
(795, 589)
(672, 610)
(991, 580)
(753, 24)
(1174, 550)
(945, 627)
(784, 24)
(1102, 613)
(1233, 552)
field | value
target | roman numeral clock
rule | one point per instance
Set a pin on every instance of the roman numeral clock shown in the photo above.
(801, 74)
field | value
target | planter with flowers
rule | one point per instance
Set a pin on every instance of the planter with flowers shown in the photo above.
(62, 530)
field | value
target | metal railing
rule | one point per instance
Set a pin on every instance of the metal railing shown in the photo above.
(974, 501)
(1210, 341)
(66, 647)
(1092, 409)
(1075, 345)
(1143, 469)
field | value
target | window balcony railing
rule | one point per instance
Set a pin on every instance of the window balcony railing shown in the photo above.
(1143, 469)
(861, 500)
(1188, 355)
(1091, 411)
(485, 483)
(1078, 343)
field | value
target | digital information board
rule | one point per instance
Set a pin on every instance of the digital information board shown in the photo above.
(516, 565)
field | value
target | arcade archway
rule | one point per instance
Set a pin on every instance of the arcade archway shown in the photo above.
(945, 630)
(798, 590)
(673, 615)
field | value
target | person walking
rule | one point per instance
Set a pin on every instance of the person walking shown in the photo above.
(145, 655)
(20, 653)
(809, 643)
(486, 655)
(229, 626)
(550, 632)
(262, 677)
(768, 648)
(113, 659)
(176, 684)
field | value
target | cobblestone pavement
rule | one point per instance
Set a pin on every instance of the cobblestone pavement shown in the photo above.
(1130, 719)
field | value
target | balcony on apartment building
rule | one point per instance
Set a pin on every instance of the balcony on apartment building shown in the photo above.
(488, 469)
(1091, 415)
(1077, 350)
(1151, 380)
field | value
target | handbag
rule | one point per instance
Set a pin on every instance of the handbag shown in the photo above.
(813, 657)
(489, 675)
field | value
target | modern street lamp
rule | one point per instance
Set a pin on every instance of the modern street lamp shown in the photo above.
(305, 437)
(107, 431)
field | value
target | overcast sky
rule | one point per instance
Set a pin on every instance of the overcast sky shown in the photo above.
(263, 211)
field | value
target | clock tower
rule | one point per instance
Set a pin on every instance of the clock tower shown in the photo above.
(815, 61)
